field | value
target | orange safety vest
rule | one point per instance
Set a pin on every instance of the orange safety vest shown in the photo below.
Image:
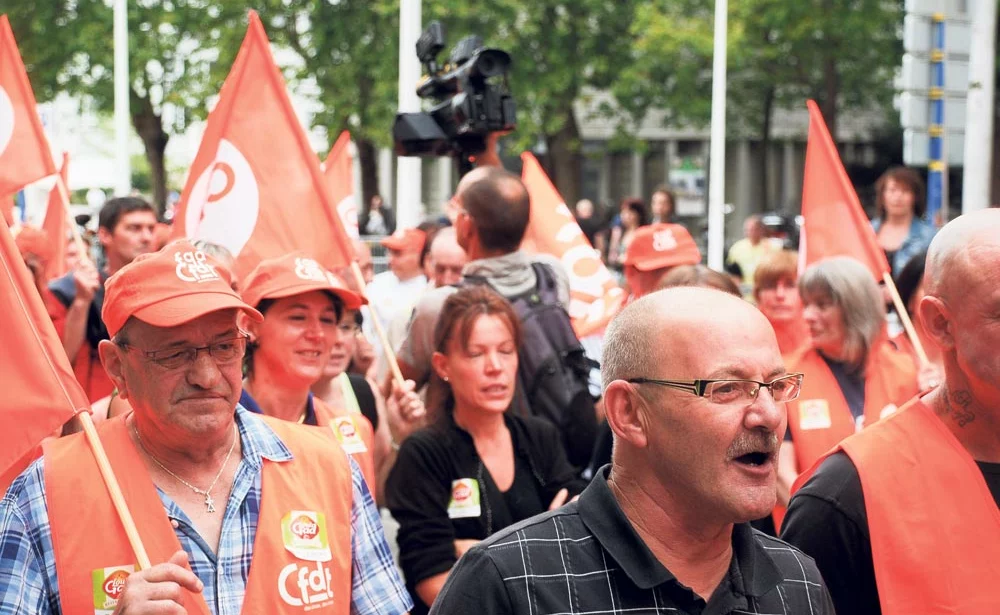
(820, 418)
(355, 434)
(934, 525)
(301, 553)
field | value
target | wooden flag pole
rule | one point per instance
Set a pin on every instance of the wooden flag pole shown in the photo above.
(904, 317)
(114, 490)
(383, 339)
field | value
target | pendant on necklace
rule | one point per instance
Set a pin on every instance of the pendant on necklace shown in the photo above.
(209, 503)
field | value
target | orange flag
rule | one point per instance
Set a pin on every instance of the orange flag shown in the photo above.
(24, 151)
(339, 172)
(255, 186)
(835, 223)
(594, 296)
(54, 224)
(40, 391)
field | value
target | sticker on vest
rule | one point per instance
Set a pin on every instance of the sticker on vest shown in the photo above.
(308, 585)
(109, 584)
(888, 410)
(304, 533)
(464, 499)
(347, 433)
(814, 414)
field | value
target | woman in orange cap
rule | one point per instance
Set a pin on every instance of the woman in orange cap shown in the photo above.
(302, 303)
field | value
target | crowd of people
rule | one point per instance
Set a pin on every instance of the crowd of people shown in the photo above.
(755, 440)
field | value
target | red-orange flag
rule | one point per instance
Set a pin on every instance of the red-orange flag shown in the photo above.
(40, 391)
(594, 296)
(24, 151)
(54, 224)
(835, 223)
(339, 172)
(255, 186)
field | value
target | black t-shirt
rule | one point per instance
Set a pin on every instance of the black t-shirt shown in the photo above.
(419, 491)
(828, 521)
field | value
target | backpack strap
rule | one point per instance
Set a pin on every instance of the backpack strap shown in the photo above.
(546, 284)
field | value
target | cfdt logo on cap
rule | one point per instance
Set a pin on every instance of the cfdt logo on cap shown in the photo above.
(664, 240)
(308, 269)
(194, 267)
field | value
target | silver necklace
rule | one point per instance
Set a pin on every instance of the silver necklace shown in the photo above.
(209, 502)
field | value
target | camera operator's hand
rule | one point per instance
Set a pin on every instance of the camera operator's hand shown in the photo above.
(489, 157)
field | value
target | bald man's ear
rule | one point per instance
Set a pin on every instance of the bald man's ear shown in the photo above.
(111, 358)
(936, 318)
(624, 411)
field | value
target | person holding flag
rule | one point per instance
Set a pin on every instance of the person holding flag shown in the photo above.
(903, 517)
(854, 375)
(302, 304)
(235, 509)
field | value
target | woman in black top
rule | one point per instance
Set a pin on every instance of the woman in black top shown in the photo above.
(478, 469)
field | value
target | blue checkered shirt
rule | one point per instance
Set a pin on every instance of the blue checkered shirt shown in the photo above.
(28, 569)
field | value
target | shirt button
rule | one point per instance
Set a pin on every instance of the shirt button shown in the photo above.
(174, 524)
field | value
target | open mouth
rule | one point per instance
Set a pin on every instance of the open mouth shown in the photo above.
(755, 459)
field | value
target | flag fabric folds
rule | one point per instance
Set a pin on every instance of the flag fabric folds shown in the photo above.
(835, 223)
(54, 224)
(255, 186)
(339, 172)
(594, 295)
(40, 391)
(24, 151)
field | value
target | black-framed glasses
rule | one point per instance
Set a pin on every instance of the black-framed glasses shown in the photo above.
(733, 391)
(223, 351)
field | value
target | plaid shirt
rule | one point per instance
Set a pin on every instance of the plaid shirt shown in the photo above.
(586, 559)
(28, 570)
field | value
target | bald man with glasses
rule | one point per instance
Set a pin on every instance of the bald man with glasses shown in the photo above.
(695, 391)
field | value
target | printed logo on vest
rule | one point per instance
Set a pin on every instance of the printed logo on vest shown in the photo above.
(814, 414)
(109, 584)
(305, 537)
(310, 586)
(194, 267)
(347, 433)
(464, 499)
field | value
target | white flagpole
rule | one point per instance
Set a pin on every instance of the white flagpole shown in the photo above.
(408, 168)
(123, 170)
(717, 147)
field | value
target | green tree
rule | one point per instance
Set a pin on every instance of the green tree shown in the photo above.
(179, 51)
(349, 49)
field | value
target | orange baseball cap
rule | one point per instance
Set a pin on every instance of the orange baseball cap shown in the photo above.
(169, 288)
(294, 274)
(656, 246)
(407, 240)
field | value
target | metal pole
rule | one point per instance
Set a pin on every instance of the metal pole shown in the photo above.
(123, 170)
(978, 155)
(717, 152)
(408, 169)
(936, 163)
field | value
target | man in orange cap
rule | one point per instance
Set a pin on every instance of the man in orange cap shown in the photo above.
(654, 250)
(233, 508)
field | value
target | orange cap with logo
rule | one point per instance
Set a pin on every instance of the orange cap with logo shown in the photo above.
(294, 274)
(169, 288)
(406, 240)
(656, 246)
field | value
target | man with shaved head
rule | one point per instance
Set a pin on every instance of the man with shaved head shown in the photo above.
(903, 517)
(695, 391)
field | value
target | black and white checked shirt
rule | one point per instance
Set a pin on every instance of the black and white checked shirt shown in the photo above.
(586, 559)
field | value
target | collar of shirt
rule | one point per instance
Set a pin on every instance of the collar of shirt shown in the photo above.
(605, 519)
(249, 403)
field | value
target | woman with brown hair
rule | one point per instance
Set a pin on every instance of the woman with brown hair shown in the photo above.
(899, 225)
(479, 468)
(776, 291)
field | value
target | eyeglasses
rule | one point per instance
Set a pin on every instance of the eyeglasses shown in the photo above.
(734, 391)
(223, 351)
